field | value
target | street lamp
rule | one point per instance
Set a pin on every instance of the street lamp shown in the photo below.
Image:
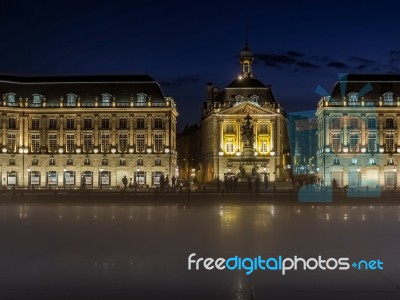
(65, 177)
(29, 175)
(359, 176)
(101, 178)
(220, 154)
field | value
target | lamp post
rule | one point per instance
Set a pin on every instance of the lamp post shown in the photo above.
(101, 178)
(395, 178)
(29, 175)
(220, 154)
(23, 151)
(65, 177)
(359, 176)
(137, 176)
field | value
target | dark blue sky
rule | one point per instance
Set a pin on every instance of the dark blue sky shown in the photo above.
(184, 44)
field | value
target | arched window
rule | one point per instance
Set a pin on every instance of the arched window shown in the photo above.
(388, 99)
(71, 99)
(141, 99)
(353, 99)
(139, 162)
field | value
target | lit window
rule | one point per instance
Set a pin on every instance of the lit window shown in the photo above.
(372, 161)
(11, 99)
(229, 145)
(389, 145)
(105, 142)
(53, 142)
(11, 142)
(158, 143)
(354, 161)
(353, 142)
(123, 142)
(263, 146)
(71, 99)
(336, 142)
(37, 99)
(390, 161)
(388, 99)
(105, 99)
(35, 143)
(141, 99)
(70, 143)
(140, 142)
(353, 99)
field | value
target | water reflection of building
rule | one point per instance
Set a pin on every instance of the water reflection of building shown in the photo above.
(302, 131)
(223, 116)
(358, 140)
(63, 131)
(189, 153)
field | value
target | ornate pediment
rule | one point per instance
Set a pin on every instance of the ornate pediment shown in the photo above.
(247, 108)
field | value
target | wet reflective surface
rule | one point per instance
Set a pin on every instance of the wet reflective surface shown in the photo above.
(141, 252)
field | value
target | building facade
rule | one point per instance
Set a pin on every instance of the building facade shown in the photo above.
(243, 129)
(86, 131)
(358, 140)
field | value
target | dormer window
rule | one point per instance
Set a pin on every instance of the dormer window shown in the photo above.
(239, 98)
(10, 99)
(105, 99)
(37, 99)
(388, 99)
(353, 98)
(254, 98)
(71, 99)
(141, 99)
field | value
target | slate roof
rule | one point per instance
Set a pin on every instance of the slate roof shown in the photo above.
(380, 83)
(86, 87)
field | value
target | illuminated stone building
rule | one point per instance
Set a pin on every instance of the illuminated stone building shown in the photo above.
(358, 140)
(91, 130)
(245, 104)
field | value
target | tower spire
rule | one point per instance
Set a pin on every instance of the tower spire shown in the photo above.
(246, 58)
(246, 44)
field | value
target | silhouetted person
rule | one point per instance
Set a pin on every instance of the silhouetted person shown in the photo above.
(334, 183)
(125, 182)
(173, 181)
(162, 182)
(83, 182)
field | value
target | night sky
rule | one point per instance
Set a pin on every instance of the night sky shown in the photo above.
(183, 45)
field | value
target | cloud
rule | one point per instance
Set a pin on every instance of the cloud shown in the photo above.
(188, 79)
(293, 53)
(307, 65)
(337, 65)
